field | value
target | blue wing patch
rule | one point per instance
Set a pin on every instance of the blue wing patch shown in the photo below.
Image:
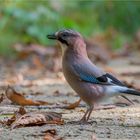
(86, 77)
(89, 78)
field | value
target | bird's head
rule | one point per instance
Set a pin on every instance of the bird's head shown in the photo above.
(67, 37)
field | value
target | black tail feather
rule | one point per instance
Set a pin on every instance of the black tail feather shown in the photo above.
(132, 92)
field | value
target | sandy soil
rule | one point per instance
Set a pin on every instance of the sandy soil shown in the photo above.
(120, 123)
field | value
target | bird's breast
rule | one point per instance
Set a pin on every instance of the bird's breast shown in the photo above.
(68, 71)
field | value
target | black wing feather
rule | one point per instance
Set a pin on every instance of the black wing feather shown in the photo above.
(104, 78)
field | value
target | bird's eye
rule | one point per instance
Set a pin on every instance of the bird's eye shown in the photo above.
(64, 34)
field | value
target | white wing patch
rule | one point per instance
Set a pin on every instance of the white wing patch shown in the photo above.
(114, 89)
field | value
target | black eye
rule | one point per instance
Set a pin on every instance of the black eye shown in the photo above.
(64, 34)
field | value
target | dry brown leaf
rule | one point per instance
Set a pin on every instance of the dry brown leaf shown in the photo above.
(74, 105)
(1, 97)
(56, 93)
(34, 48)
(98, 51)
(37, 62)
(16, 115)
(19, 99)
(51, 134)
(38, 118)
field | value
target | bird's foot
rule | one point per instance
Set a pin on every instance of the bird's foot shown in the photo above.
(82, 121)
(74, 105)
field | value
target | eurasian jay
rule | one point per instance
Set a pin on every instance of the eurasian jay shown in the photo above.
(90, 82)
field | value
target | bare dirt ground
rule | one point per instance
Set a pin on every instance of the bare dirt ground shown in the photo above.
(120, 123)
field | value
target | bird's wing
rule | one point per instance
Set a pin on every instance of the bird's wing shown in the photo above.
(110, 79)
(87, 74)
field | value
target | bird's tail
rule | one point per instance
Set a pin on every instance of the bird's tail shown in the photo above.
(131, 91)
(119, 90)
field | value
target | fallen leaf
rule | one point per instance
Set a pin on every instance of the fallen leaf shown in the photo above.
(56, 93)
(19, 99)
(21, 111)
(16, 115)
(74, 105)
(51, 134)
(97, 51)
(39, 54)
(34, 48)
(1, 97)
(37, 62)
(38, 118)
(22, 118)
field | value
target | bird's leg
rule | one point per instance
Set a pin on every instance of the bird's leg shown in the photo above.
(83, 120)
(86, 115)
(89, 113)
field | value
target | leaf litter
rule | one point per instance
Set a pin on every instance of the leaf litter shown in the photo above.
(19, 99)
(51, 134)
(73, 105)
(1, 97)
(21, 118)
(38, 120)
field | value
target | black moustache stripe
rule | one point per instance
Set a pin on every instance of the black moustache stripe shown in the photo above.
(63, 41)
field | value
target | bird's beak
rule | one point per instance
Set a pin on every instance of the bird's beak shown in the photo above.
(52, 36)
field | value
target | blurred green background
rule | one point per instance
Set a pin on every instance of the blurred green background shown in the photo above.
(28, 21)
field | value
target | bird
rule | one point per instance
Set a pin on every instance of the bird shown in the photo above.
(90, 82)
